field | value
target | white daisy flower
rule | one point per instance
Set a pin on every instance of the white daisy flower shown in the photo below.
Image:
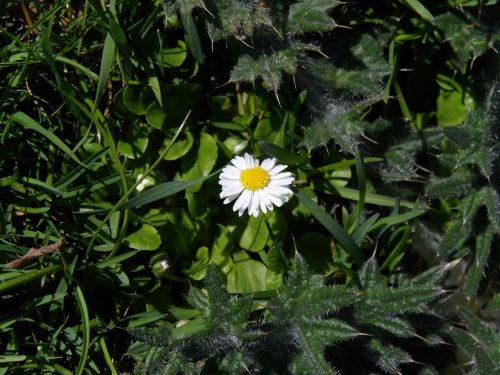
(255, 187)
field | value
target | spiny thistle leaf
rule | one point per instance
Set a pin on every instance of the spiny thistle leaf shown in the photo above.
(461, 227)
(329, 331)
(312, 352)
(237, 18)
(310, 16)
(270, 68)
(481, 343)
(477, 268)
(390, 357)
(369, 275)
(466, 37)
(185, 7)
(458, 184)
(225, 312)
(306, 296)
(198, 299)
(395, 326)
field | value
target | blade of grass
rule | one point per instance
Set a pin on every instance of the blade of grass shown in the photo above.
(341, 165)
(26, 121)
(363, 229)
(77, 66)
(108, 54)
(332, 226)
(192, 38)
(107, 357)
(116, 260)
(381, 200)
(397, 219)
(27, 277)
(398, 252)
(163, 190)
(82, 305)
(422, 11)
(360, 172)
(277, 152)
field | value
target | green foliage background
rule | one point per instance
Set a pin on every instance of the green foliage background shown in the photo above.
(116, 118)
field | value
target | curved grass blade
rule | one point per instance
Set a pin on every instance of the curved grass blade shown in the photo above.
(332, 226)
(27, 277)
(192, 38)
(381, 200)
(82, 305)
(108, 55)
(29, 123)
(360, 172)
(77, 66)
(163, 190)
(422, 11)
(277, 152)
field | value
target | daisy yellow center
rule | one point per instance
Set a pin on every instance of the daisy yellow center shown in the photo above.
(254, 178)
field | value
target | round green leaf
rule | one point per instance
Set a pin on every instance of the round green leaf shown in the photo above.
(201, 160)
(173, 112)
(250, 276)
(179, 148)
(146, 238)
(155, 115)
(174, 57)
(251, 232)
(135, 143)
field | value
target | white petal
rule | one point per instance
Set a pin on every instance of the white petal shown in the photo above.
(283, 182)
(243, 201)
(239, 162)
(277, 169)
(282, 175)
(229, 176)
(231, 198)
(253, 207)
(231, 170)
(273, 198)
(250, 161)
(229, 184)
(227, 193)
(279, 190)
(268, 164)
(264, 196)
(262, 202)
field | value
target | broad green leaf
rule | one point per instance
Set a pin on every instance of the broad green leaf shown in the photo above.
(252, 234)
(198, 268)
(270, 130)
(249, 276)
(180, 148)
(146, 238)
(137, 99)
(200, 160)
(135, 143)
(174, 57)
